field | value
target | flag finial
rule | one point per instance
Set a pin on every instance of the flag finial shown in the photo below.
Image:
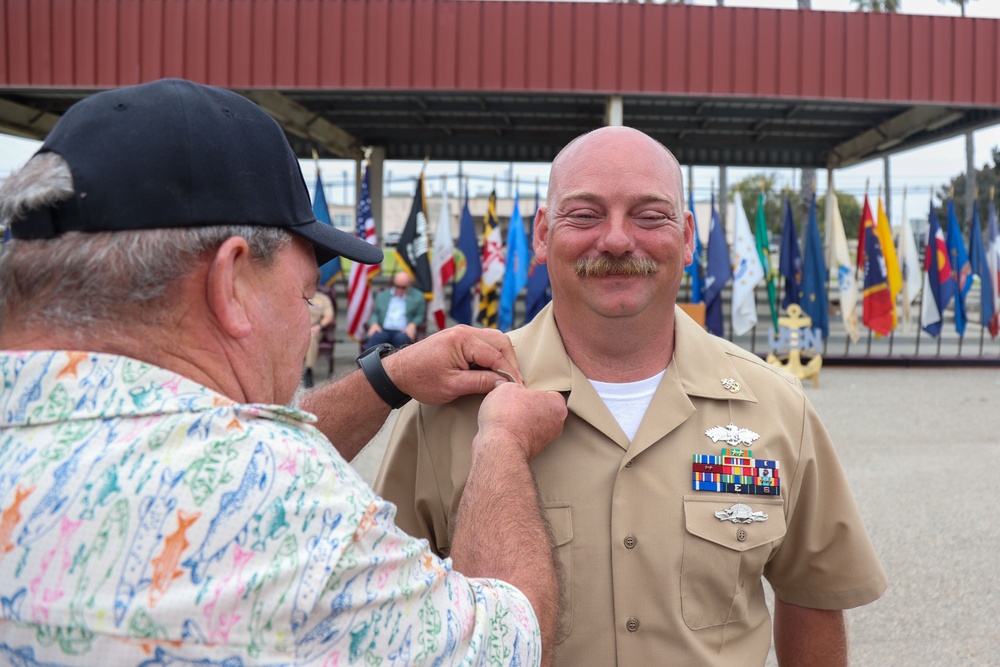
(867, 182)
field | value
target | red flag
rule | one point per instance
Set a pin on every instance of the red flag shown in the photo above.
(878, 305)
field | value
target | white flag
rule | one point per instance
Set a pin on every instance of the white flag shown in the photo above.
(442, 261)
(845, 267)
(910, 264)
(747, 272)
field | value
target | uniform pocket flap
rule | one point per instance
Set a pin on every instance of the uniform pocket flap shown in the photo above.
(739, 524)
(560, 517)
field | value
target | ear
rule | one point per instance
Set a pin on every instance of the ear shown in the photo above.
(540, 236)
(230, 286)
(689, 232)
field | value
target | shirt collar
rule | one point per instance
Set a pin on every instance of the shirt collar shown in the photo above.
(702, 361)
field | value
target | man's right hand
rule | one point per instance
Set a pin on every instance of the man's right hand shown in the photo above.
(454, 362)
(528, 418)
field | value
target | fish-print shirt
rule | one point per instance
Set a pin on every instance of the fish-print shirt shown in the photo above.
(148, 520)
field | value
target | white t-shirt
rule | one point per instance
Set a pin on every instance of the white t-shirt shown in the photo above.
(628, 401)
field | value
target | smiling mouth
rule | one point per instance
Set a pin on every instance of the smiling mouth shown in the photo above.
(606, 265)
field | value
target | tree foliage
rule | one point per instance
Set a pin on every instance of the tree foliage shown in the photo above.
(774, 205)
(962, 4)
(880, 6)
(987, 178)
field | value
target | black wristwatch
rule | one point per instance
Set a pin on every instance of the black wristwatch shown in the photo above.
(370, 363)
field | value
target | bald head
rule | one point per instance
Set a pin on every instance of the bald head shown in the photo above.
(402, 280)
(615, 139)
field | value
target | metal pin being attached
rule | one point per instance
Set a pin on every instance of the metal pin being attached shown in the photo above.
(502, 373)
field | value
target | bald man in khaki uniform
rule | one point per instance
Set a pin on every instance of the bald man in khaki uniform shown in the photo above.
(657, 569)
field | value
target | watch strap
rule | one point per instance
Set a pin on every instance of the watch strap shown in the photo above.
(370, 363)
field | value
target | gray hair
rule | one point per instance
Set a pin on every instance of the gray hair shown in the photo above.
(81, 279)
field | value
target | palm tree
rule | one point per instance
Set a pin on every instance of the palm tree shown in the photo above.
(883, 6)
(961, 4)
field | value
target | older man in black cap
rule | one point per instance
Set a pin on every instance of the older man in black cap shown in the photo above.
(160, 502)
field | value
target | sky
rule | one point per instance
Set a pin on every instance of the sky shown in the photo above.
(918, 170)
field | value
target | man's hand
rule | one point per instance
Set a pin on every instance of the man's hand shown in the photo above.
(525, 417)
(374, 329)
(437, 369)
(410, 330)
(434, 371)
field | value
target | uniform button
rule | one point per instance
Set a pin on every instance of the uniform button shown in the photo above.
(629, 542)
(741, 535)
(628, 464)
(632, 624)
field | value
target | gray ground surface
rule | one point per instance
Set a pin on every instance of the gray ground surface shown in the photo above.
(922, 449)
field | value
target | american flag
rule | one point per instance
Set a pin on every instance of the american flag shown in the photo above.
(359, 294)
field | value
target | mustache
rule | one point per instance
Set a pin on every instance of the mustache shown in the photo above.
(607, 265)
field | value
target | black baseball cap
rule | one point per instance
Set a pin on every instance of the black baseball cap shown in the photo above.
(173, 153)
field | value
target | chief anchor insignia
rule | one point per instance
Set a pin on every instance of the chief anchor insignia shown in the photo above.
(732, 435)
(740, 513)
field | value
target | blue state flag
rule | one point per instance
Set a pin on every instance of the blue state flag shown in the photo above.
(980, 265)
(515, 276)
(939, 284)
(468, 267)
(539, 289)
(961, 271)
(696, 268)
(790, 261)
(329, 272)
(718, 271)
(814, 275)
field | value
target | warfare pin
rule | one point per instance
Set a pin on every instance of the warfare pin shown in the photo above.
(740, 513)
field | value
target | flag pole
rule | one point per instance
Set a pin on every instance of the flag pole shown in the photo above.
(868, 346)
(961, 337)
(920, 314)
(892, 334)
(937, 353)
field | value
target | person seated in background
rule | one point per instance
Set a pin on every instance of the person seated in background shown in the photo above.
(321, 314)
(397, 313)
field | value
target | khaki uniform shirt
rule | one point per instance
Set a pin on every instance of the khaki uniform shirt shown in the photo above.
(651, 575)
